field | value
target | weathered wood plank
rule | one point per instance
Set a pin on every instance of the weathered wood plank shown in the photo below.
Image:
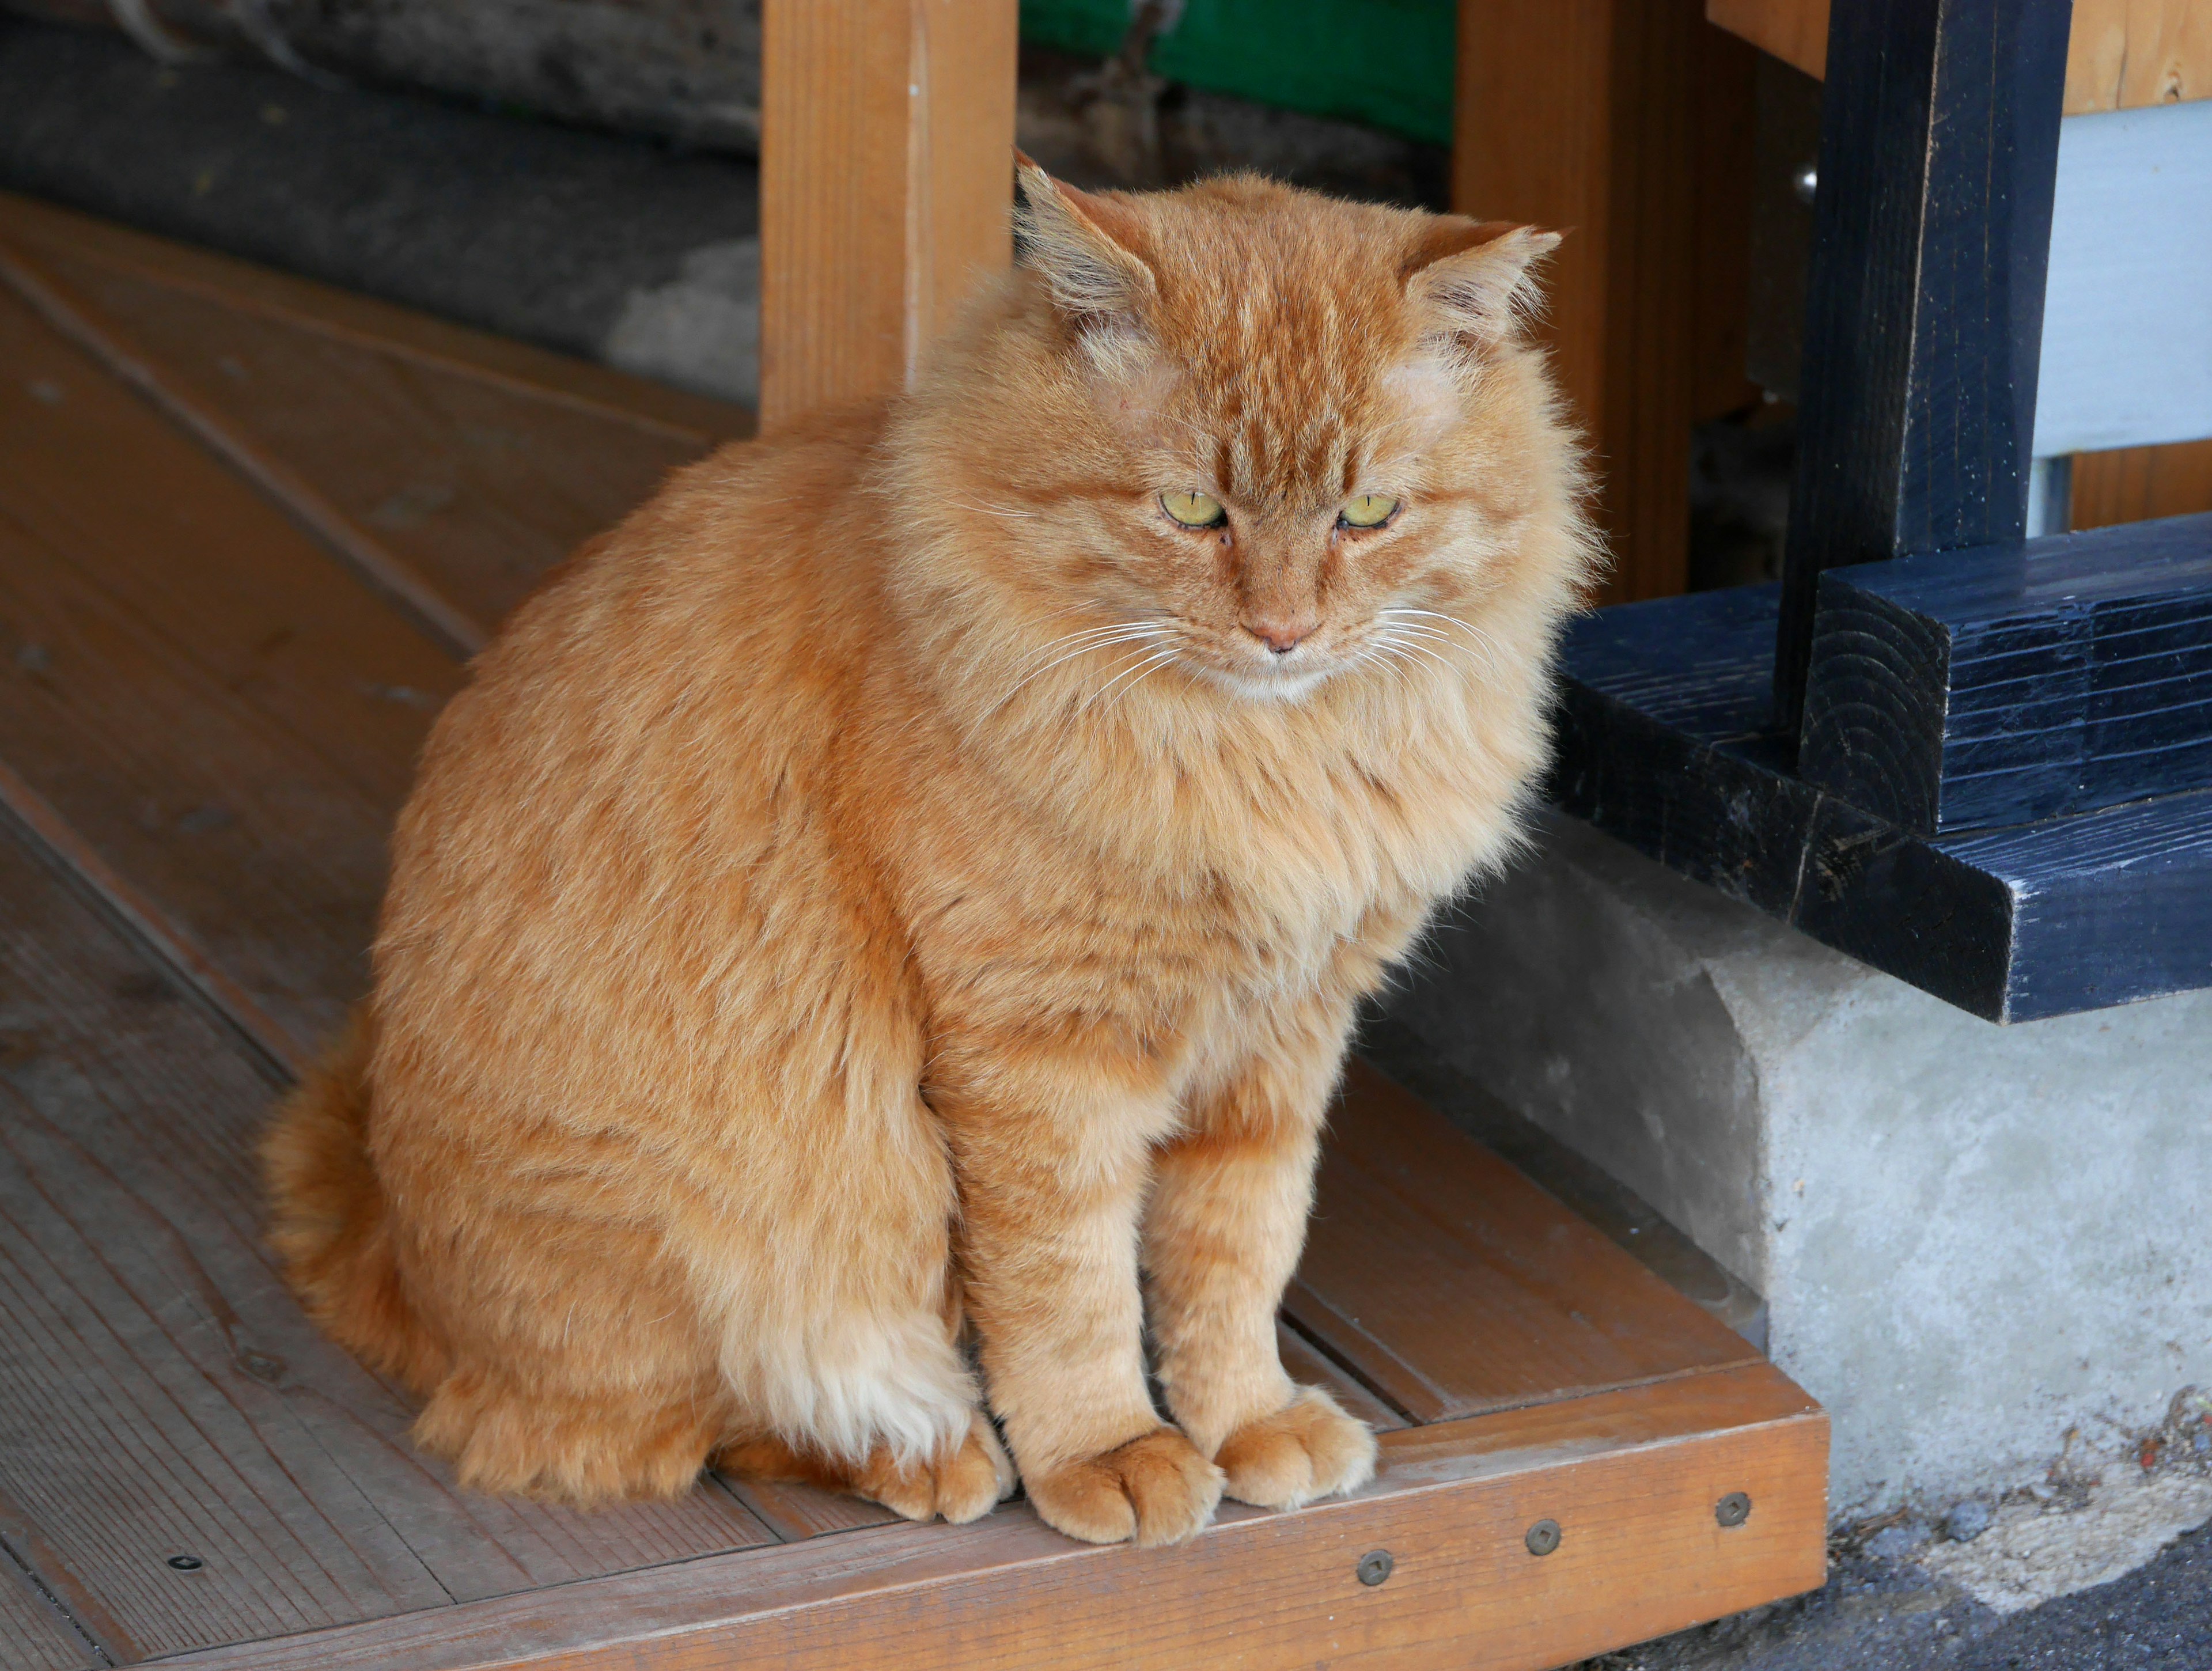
(1631, 1478)
(535, 373)
(1453, 1285)
(162, 1396)
(1310, 1366)
(1924, 313)
(1997, 687)
(2121, 54)
(1659, 746)
(477, 483)
(886, 187)
(795, 1512)
(35, 1635)
(209, 700)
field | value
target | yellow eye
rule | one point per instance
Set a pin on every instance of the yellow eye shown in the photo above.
(1370, 510)
(1193, 510)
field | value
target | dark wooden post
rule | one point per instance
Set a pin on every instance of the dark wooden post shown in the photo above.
(1923, 316)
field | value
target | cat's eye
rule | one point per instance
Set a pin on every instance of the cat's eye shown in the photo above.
(1193, 510)
(1370, 510)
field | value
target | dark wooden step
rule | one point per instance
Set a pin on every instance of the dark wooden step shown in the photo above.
(1666, 741)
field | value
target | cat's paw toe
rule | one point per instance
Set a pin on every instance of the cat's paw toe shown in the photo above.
(1158, 1488)
(962, 1484)
(1308, 1448)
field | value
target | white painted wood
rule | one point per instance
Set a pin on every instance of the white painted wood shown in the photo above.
(2127, 318)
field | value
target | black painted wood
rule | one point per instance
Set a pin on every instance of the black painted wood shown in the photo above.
(1662, 744)
(2002, 686)
(1923, 321)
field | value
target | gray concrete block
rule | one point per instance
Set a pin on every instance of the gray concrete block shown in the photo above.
(1971, 1238)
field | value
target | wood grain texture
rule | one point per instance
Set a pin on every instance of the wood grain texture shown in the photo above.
(533, 372)
(1631, 1477)
(211, 703)
(2003, 686)
(886, 187)
(2137, 483)
(1453, 1286)
(34, 1634)
(795, 1512)
(162, 1394)
(1308, 1365)
(478, 489)
(1662, 742)
(1924, 311)
(2122, 54)
(1585, 117)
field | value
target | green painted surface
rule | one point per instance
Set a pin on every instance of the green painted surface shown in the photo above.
(1387, 63)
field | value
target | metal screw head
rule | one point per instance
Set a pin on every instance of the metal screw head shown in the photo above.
(1543, 1537)
(1733, 1510)
(1375, 1566)
(186, 1562)
(1806, 183)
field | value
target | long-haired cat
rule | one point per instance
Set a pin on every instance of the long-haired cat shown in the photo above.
(877, 936)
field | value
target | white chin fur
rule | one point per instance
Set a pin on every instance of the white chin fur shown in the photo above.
(1267, 687)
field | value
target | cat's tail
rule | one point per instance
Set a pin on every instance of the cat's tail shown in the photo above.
(328, 1224)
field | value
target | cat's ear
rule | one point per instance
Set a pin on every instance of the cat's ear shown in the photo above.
(1475, 277)
(1084, 245)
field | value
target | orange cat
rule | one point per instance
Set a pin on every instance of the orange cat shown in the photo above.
(917, 874)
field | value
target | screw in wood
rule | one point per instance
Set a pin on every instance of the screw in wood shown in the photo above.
(186, 1562)
(1375, 1566)
(1733, 1510)
(1543, 1537)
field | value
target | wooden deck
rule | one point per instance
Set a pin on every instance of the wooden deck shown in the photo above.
(249, 530)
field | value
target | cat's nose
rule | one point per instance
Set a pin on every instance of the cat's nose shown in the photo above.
(1282, 634)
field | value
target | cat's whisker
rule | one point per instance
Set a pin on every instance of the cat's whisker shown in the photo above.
(1480, 642)
(1158, 658)
(1150, 668)
(1094, 638)
(1000, 510)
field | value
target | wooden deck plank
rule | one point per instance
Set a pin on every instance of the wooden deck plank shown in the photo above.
(161, 1395)
(33, 1635)
(474, 485)
(1631, 1478)
(389, 328)
(1453, 1285)
(216, 708)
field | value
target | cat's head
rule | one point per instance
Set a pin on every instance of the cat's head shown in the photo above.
(1260, 437)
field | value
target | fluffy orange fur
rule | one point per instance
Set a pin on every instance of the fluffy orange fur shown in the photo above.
(880, 929)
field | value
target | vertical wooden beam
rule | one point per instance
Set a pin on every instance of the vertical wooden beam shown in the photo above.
(1924, 311)
(887, 136)
(1581, 115)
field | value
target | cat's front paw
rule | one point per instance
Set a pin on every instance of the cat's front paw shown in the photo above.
(962, 1485)
(1308, 1448)
(1158, 1488)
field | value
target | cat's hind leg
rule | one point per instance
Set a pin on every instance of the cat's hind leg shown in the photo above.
(586, 1447)
(962, 1482)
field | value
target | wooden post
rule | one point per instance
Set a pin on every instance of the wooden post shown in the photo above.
(1582, 115)
(1924, 311)
(886, 180)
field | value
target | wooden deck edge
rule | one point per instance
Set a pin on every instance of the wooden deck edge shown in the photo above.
(387, 327)
(1631, 1480)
